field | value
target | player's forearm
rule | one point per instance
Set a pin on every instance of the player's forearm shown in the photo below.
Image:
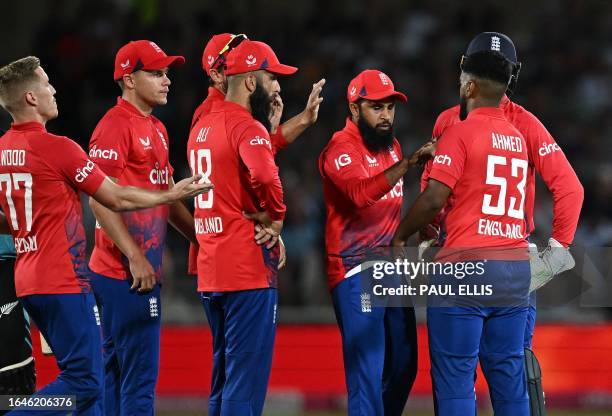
(128, 198)
(295, 126)
(112, 223)
(397, 171)
(181, 219)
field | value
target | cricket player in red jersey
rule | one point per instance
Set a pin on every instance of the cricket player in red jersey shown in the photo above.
(547, 159)
(483, 163)
(213, 63)
(131, 146)
(236, 276)
(362, 169)
(40, 177)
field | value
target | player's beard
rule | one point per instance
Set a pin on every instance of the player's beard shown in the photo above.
(375, 139)
(261, 105)
(463, 112)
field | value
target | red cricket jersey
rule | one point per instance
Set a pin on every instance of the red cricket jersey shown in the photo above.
(363, 209)
(484, 161)
(546, 158)
(278, 140)
(133, 148)
(234, 151)
(40, 176)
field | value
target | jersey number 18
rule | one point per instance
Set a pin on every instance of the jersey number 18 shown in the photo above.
(203, 201)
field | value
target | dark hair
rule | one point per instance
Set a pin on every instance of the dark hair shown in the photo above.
(491, 65)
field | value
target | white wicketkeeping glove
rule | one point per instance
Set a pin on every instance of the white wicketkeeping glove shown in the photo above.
(548, 263)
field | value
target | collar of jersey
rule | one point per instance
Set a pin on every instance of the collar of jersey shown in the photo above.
(487, 112)
(215, 94)
(28, 126)
(351, 129)
(230, 106)
(129, 107)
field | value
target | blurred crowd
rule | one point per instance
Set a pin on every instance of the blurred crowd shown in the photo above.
(566, 80)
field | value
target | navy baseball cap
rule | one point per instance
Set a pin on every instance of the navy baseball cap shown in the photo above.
(493, 41)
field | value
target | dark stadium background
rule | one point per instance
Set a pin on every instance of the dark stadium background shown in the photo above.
(566, 80)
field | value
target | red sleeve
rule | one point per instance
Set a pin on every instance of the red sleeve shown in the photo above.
(278, 140)
(109, 146)
(192, 262)
(554, 168)
(447, 166)
(77, 168)
(343, 164)
(445, 119)
(255, 149)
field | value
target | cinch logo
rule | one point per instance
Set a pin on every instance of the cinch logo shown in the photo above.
(260, 140)
(250, 60)
(125, 65)
(211, 59)
(82, 174)
(108, 154)
(353, 91)
(342, 161)
(159, 176)
(443, 160)
(548, 148)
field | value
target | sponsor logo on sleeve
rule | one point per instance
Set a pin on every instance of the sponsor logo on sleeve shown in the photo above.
(257, 140)
(443, 160)
(548, 148)
(83, 173)
(108, 154)
(342, 161)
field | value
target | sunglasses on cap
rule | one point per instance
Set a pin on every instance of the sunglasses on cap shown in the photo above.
(234, 41)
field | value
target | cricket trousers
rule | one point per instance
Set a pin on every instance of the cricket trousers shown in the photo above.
(131, 327)
(70, 325)
(379, 346)
(460, 336)
(243, 326)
